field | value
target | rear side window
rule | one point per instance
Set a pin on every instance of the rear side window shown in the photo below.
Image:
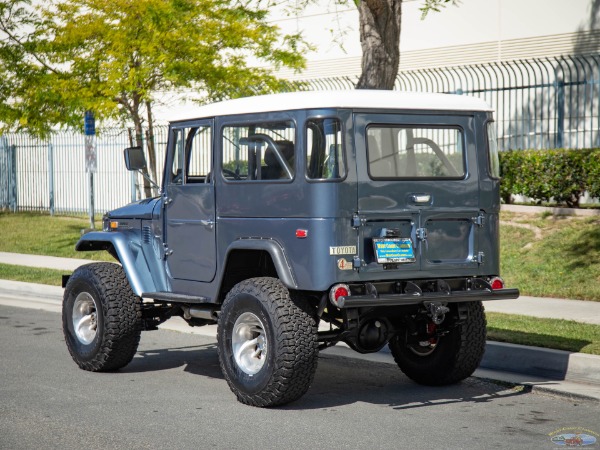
(324, 152)
(257, 152)
(415, 152)
(493, 158)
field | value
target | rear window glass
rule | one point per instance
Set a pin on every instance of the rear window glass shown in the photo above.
(415, 152)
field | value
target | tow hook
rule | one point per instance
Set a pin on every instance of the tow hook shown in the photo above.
(437, 312)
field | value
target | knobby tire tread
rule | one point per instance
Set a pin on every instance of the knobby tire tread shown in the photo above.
(122, 316)
(461, 358)
(295, 332)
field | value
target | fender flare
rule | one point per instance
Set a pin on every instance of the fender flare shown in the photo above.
(273, 248)
(129, 253)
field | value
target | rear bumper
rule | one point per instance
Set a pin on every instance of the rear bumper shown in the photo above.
(415, 298)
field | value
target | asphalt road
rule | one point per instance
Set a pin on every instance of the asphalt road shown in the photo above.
(172, 395)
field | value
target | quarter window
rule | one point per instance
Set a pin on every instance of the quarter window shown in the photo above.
(324, 153)
(493, 158)
(262, 151)
(415, 152)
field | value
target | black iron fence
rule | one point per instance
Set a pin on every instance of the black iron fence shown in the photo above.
(539, 103)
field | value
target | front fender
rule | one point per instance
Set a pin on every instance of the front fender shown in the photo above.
(130, 255)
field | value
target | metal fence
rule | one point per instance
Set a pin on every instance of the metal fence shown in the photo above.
(539, 103)
(49, 175)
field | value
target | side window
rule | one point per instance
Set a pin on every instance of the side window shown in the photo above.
(178, 145)
(199, 155)
(493, 158)
(261, 151)
(324, 151)
(411, 152)
(192, 154)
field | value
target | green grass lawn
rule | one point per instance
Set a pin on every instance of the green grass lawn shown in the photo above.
(41, 234)
(32, 274)
(549, 333)
(564, 263)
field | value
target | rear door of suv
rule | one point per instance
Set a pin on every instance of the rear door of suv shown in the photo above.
(418, 185)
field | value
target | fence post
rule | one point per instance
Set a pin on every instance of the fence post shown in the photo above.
(51, 177)
(560, 114)
(12, 178)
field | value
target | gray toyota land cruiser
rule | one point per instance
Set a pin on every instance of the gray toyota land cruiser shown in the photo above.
(297, 221)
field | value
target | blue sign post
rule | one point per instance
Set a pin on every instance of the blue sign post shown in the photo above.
(89, 125)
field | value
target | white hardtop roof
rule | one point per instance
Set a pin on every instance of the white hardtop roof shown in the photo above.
(359, 98)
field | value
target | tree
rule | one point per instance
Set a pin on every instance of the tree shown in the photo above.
(61, 58)
(379, 28)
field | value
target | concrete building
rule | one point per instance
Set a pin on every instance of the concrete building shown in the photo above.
(472, 32)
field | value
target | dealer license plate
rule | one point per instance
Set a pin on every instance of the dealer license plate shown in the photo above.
(393, 250)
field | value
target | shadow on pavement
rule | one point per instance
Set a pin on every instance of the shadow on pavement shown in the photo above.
(338, 381)
(196, 359)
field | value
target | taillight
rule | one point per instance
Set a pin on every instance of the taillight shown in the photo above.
(497, 283)
(338, 291)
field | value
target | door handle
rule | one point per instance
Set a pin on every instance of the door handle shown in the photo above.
(420, 199)
(208, 223)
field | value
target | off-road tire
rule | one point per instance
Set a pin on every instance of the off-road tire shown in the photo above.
(116, 312)
(290, 331)
(456, 355)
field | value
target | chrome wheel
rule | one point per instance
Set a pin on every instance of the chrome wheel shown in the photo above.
(85, 319)
(249, 343)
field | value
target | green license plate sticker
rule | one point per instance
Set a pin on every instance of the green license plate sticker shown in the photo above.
(394, 250)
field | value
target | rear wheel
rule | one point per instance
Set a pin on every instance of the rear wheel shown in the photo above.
(267, 343)
(101, 317)
(446, 359)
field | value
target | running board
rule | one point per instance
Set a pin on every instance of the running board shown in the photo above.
(176, 298)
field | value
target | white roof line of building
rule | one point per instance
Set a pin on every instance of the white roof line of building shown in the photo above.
(359, 98)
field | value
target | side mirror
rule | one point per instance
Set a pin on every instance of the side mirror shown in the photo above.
(134, 158)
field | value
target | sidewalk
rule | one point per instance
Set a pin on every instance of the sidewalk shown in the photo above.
(549, 308)
(572, 375)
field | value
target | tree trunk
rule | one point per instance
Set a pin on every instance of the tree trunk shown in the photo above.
(150, 142)
(380, 22)
(137, 123)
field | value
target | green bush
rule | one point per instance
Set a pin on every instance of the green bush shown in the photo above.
(562, 175)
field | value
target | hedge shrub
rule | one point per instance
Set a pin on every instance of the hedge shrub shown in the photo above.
(561, 175)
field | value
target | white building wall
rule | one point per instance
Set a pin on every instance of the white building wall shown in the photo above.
(475, 31)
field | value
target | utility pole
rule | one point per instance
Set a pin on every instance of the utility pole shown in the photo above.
(90, 159)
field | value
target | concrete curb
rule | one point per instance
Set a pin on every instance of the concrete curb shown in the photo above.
(554, 210)
(542, 362)
(555, 372)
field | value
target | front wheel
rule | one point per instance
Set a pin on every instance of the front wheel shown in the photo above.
(101, 317)
(449, 358)
(267, 343)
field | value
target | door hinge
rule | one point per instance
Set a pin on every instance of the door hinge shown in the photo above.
(479, 258)
(421, 234)
(167, 251)
(356, 221)
(479, 220)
